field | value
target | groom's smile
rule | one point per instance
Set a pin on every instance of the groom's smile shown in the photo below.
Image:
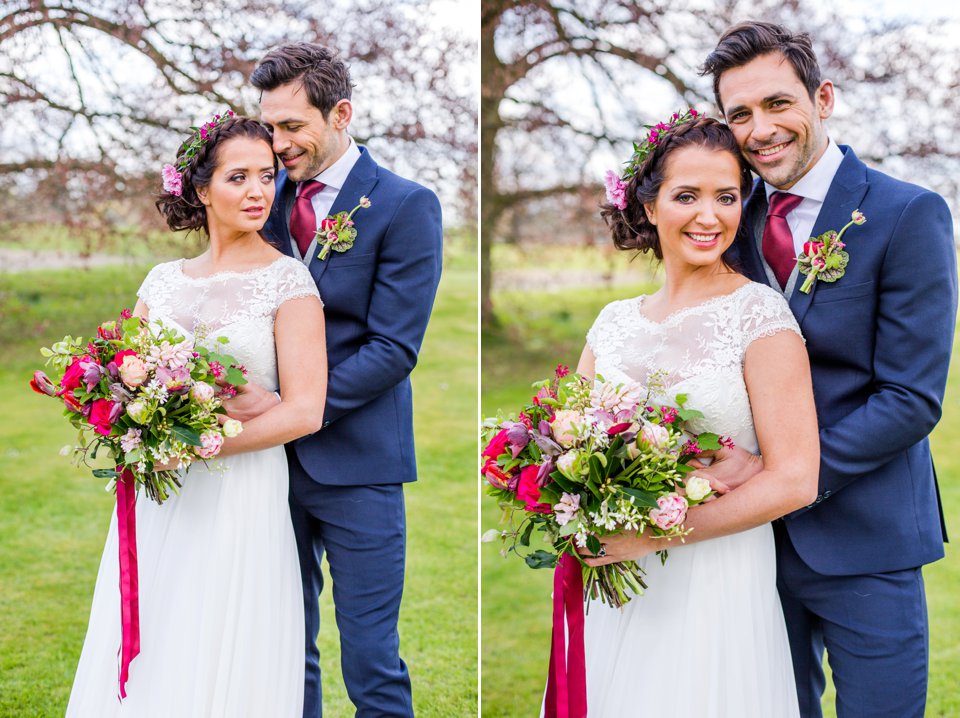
(778, 126)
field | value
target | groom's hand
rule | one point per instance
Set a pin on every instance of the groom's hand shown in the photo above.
(730, 468)
(250, 402)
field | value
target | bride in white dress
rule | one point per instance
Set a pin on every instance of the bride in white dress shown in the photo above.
(707, 640)
(221, 602)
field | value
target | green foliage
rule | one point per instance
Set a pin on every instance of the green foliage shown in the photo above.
(536, 330)
(54, 517)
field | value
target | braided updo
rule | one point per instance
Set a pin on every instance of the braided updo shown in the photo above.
(186, 211)
(630, 226)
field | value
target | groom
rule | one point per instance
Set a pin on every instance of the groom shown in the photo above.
(879, 339)
(346, 481)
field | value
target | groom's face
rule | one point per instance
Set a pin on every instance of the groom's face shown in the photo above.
(778, 126)
(304, 140)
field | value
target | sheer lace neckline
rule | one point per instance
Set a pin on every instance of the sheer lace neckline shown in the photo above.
(227, 272)
(678, 314)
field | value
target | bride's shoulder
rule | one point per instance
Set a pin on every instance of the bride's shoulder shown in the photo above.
(164, 270)
(757, 292)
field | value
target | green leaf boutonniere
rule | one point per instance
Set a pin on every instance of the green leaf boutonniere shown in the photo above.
(823, 257)
(337, 232)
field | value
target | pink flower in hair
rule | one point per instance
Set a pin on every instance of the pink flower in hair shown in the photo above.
(616, 190)
(172, 180)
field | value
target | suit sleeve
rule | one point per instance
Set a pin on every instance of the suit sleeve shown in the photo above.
(915, 325)
(408, 271)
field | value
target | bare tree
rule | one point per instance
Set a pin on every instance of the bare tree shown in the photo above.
(568, 85)
(98, 93)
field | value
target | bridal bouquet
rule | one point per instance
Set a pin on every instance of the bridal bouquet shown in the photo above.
(146, 395)
(587, 459)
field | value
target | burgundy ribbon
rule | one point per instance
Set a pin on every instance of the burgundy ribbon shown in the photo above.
(567, 682)
(129, 593)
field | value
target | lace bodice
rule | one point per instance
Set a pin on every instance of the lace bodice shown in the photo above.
(698, 351)
(241, 306)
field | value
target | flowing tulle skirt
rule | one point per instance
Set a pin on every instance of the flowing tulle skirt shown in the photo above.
(707, 640)
(221, 603)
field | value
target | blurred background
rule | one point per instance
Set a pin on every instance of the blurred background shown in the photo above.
(566, 87)
(96, 96)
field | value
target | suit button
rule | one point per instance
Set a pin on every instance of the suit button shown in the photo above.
(819, 499)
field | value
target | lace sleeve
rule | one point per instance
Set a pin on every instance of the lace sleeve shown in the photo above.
(764, 313)
(596, 332)
(295, 282)
(148, 289)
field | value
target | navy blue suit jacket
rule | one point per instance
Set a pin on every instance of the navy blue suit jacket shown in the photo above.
(377, 300)
(879, 341)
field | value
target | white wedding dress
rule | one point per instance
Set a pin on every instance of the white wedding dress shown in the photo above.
(708, 639)
(221, 602)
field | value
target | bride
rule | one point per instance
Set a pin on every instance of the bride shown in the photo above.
(708, 637)
(221, 602)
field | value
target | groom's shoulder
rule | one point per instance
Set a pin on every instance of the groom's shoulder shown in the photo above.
(888, 188)
(400, 187)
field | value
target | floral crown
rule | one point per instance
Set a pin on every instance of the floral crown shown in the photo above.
(617, 184)
(173, 176)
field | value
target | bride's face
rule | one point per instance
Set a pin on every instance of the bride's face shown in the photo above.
(697, 209)
(241, 190)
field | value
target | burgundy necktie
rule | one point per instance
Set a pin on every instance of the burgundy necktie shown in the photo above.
(777, 240)
(303, 220)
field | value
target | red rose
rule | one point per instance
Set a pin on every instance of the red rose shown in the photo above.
(327, 224)
(118, 357)
(73, 376)
(811, 248)
(42, 384)
(100, 415)
(529, 492)
(497, 445)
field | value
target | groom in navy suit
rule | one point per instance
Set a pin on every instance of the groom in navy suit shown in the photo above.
(346, 481)
(879, 339)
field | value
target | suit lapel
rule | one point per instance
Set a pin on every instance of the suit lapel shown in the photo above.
(748, 241)
(845, 195)
(282, 206)
(359, 183)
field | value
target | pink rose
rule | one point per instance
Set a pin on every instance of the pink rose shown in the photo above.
(211, 443)
(655, 436)
(529, 492)
(201, 392)
(327, 224)
(671, 511)
(102, 414)
(133, 372)
(567, 426)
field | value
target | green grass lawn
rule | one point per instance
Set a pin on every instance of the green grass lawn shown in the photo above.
(539, 329)
(54, 518)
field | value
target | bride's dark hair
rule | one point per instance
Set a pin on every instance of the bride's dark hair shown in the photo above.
(185, 210)
(630, 226)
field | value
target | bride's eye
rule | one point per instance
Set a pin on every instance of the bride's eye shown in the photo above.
(267, 177)
(727, 199)
(685, 198)
(236, 178)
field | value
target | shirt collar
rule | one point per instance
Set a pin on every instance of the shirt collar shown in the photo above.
(336, 174)
(815, 183)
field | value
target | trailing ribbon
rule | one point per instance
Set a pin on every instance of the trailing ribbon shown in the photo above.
(129, 593)
(567, 681)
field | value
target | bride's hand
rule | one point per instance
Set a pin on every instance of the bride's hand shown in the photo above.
(624, 547)
(168, 466)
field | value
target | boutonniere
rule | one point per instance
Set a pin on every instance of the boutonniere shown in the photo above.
(823, 257)
(337, 231)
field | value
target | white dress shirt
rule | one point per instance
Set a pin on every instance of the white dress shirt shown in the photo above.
(334, 178)
(813, 188)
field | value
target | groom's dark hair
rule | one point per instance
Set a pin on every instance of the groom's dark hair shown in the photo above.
(749, 40)
(324, 75)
